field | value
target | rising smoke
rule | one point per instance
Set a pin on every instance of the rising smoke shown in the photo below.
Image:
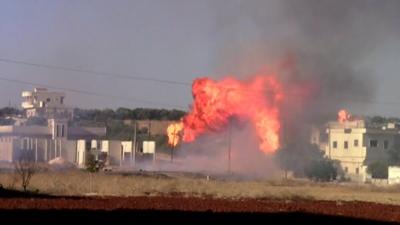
(317, 47)
(321, 43)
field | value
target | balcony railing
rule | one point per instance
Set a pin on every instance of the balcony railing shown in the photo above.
(27, 94)
(27, 105)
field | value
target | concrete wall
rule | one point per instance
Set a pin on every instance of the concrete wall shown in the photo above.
(393, 175)
(6, 149)
(115, 152)
(80, 153)
(127, 146)
(69, 150)
(33, 130)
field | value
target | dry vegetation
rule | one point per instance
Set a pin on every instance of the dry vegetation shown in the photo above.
(78, 183)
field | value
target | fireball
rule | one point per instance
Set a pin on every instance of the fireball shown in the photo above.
(173, 132)
(215, 102)
(343, 116)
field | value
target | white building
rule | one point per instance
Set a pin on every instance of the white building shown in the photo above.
(43, 103)
(44, 142)
(119, 153)
(58, 139)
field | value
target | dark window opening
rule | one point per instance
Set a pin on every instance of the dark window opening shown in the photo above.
(355, 143)
(334, 144)
(373, 143)
(346, 145)
(386, 144)
(62, 130)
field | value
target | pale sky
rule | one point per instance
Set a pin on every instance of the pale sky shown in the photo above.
(177, 40)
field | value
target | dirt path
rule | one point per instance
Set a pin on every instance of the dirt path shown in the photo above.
(360, 210)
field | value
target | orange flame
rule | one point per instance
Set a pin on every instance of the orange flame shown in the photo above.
(343, 116)
(216, 101)
(173, 131)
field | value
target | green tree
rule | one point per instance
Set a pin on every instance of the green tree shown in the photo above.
(378, 169)
(123, 113)
(321, 170)
(297, 157)
(91, 163)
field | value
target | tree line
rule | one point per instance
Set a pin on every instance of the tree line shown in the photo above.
(103, 115)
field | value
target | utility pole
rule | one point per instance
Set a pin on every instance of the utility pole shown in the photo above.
(133, 156)
(229, 147)
(149, 131)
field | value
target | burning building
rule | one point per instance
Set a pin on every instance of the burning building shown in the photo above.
(356, 143)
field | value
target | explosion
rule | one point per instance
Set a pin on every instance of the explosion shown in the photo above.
(343, 116)
(216, 102)
(173, 131)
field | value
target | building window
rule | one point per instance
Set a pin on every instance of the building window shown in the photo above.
(385, 144)
(48, 99)
(62, 100)
(62, 130)
(373, 143)
(356, 143)
(57, 130)
(88, 145)
(334, 144)
(346, 145)
(357, 170)
(346, 169)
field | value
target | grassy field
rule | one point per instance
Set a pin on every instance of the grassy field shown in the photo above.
(82, 183)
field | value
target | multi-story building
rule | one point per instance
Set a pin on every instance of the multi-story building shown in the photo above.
(48, 141)
(43, 103)
(57, 139)
(356, 144)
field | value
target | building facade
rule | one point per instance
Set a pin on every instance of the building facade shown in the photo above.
(356, 144)
(43, 103)
(44, 142)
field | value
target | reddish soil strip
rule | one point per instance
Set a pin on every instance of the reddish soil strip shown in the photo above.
(360, 210)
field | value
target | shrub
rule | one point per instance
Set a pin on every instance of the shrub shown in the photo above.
(321, 170)
(378, 170)
(90, 163)
(25, 167)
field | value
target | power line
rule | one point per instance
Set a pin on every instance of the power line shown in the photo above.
(88, 92)
(95, 73)
(125, 76)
